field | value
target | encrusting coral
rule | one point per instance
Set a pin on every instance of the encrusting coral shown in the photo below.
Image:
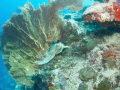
(103, 12)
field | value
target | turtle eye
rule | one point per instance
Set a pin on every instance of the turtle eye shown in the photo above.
(58, 45)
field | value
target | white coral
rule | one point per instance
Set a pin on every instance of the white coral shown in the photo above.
(105, 16)
(100, 7)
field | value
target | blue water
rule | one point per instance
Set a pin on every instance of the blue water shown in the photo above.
(7, 7)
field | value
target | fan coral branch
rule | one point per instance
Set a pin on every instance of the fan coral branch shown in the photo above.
(74, 5)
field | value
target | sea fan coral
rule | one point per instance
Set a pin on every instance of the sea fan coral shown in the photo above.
(26, 37)
(73, 5)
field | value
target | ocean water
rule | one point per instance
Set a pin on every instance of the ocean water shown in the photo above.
(7, 8)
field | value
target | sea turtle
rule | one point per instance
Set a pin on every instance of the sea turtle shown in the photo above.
(54, 49)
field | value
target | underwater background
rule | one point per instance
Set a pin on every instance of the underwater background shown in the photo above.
(87, 44)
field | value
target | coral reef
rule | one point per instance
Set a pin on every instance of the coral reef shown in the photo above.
(97, 71)
(103, 12)
(90, 74)
(83, 86)
(39, 84)
(105, 84)
(34, 48)
(28, 36)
